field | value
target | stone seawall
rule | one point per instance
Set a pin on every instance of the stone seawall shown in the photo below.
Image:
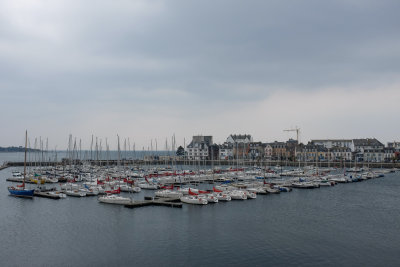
(210, 163)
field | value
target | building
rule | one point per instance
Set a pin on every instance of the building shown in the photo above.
(226, 151)
(278, 150)
(199, 148)
(389, 154)
(367, 144)
(312, 152)
(291, 147)
(240, 144)
(214, 152)
(267, 151)
(340, 154)
(256, 150)
(395, 145)
(330, 143)
(373, 155)
(239, 138)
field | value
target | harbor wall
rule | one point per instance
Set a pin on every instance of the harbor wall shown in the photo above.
(214, 163)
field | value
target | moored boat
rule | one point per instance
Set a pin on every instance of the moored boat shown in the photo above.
(238, 195)
(20, 190)
(222, 196)
(114, 199)
(75, 193)
(190, 199)
(168, 193)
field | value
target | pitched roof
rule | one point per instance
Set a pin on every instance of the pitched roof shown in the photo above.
(240, 136)
(367, 142)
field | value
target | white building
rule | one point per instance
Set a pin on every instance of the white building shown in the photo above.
(374, 155)
(226, 151)
(389, 153)
(340, 153)
(395, 145)
(330, 143)
(367, 144)
(268, 151)
(199, 148)
(239, 138)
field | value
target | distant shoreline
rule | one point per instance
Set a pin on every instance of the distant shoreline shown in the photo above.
(17, 149)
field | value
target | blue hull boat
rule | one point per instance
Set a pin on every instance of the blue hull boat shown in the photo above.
(20, 192)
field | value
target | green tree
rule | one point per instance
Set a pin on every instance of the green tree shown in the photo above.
(180, 151)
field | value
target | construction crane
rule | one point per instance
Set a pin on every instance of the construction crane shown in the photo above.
(297, 130)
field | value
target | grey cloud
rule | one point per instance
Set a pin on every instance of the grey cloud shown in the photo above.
(147, 55)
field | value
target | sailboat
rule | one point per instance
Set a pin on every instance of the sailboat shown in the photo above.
(20, 190)
(110, 198)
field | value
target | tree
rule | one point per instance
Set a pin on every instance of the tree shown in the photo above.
(180, 151)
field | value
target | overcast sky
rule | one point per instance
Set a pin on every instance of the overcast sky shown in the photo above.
(149, 69)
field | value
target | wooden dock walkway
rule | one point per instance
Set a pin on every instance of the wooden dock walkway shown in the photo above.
(150, 201)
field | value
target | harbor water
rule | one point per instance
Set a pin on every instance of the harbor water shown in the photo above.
(355, 224)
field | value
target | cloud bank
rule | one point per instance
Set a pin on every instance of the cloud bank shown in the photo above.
(149, 69)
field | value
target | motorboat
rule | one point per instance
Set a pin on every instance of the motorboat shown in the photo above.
(210, 198)
(222, 196)
(130, 189)
(57, 193)
(148, 186)
(75, 193)
(238, 195)
(115, 199)
(167, 193)
(250, 195)
(194, 200)
(305, 185)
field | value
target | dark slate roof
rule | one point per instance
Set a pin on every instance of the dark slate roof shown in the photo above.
(367, 142)
(226, 146)
(240, 136)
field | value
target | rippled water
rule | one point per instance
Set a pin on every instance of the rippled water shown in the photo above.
(347, 225)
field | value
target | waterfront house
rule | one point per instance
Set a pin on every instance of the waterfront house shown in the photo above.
(199, 148)
(330, 143)
(278, 150)
(256, 150)
(395, 145)
(291, 147)
(239, 138)
(267, 151)
(368, 150)
(389, 154)
(226, 151)
(312, 152)
(367, 143)
(340, 154)
(373, 155)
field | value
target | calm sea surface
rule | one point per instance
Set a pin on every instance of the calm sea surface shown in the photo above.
(347, 225)
(84, 155)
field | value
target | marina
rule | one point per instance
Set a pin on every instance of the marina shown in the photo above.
(241, 195)
(165, 185)
(280, 223)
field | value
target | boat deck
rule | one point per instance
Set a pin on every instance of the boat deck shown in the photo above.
(46, 195)
(150, 201)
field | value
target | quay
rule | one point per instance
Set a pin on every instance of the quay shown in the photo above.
(215, 163)
(153, 201)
